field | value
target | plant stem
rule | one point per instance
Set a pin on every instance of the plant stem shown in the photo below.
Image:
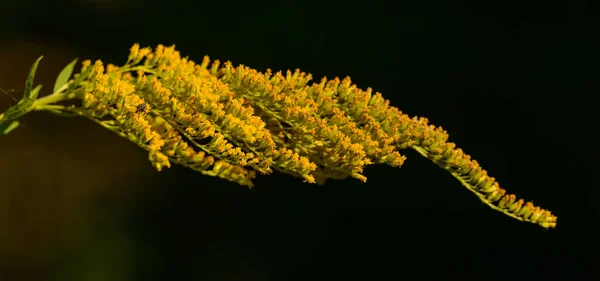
(53, 98)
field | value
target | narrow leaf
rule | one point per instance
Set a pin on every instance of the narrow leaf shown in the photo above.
(28, 95)
(64, 75)
(7, 127)
(36, 90)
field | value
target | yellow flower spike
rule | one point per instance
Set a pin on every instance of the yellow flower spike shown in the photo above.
(85, 65)
(88, 100)
(133, 52)
(526, 210)
(498, 196)
(516, 207)
(111, 68)
(537, 213)
(504, 201)
(218, 119)
(142, 53)
(494, 195)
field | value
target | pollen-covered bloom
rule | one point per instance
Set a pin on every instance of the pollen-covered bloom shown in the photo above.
(230, 122)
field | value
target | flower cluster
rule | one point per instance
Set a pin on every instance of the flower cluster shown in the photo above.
(230, 121)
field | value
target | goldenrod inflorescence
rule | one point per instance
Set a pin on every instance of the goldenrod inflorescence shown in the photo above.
(231, 121)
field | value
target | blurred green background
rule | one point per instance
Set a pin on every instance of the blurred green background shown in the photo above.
(513, 83)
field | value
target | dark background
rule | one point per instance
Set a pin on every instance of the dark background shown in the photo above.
(514, 83)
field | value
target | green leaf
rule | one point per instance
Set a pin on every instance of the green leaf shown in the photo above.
(7, 127)
(36, 90)
(29, 95)
(64, 75)
(24, 105)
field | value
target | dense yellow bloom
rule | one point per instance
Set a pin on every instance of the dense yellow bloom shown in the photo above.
(231, 121)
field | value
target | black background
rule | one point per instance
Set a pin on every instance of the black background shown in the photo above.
(513, 82)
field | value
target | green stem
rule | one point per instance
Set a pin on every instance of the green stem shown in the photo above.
(135, 68)
(40, 103)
